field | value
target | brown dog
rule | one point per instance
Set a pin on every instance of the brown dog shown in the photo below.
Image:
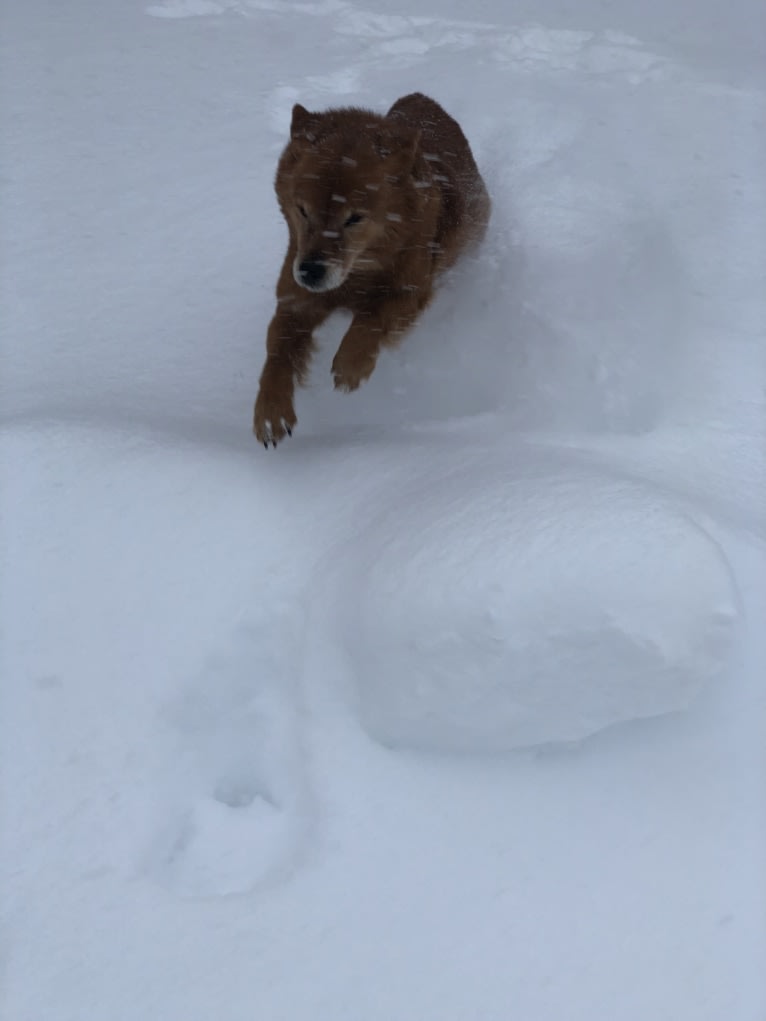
(376, 207)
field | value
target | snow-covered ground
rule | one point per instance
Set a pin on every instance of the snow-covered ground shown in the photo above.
(452, 708)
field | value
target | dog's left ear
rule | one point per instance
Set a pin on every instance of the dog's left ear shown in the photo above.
(304, 124)
(400, 144)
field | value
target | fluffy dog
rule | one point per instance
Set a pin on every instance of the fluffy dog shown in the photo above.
(376, 206)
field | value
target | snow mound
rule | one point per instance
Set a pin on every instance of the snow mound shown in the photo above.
(498, 611)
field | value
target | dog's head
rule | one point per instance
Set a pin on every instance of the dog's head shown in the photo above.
(337, 188)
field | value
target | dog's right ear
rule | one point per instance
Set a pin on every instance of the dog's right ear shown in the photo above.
(304, 125)
(399, 145)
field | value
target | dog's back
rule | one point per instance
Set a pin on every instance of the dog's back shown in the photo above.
(445, 157)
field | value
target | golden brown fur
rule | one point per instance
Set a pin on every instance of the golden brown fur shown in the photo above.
(376, 208)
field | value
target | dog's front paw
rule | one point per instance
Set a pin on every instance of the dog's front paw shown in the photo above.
(274, 416)
(351, 368)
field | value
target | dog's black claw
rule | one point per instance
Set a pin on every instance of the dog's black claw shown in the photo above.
(265, 444)
(289, 430)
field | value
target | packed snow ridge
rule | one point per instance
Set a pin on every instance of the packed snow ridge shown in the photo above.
(484, 618)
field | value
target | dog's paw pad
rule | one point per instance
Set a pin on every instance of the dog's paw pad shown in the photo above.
(343, 384)
(274, 414)
(349, 377)
(269, 432)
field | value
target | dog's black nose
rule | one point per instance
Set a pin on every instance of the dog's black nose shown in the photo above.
(312, 272)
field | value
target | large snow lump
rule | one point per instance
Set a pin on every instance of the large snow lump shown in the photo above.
(543, 607)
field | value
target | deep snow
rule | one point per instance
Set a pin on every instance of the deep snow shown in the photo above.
(261, 715)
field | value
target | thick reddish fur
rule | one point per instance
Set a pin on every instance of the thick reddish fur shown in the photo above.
(411, 178)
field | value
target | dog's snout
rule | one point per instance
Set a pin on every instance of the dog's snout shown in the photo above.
(312, 272)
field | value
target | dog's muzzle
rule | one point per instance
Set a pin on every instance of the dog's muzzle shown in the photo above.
(312, 274)
(318, 275)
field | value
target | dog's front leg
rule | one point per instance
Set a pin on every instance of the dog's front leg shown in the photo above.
(382, 326)
(288, 350)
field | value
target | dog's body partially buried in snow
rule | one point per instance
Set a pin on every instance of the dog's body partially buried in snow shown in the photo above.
(377, 206)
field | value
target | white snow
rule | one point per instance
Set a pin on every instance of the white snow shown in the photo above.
(501, 606)
(452, 707)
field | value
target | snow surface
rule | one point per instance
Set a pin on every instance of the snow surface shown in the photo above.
(496, 620)
(262, 716)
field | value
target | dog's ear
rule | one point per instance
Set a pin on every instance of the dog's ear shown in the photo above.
(399, 145)
(304, 125)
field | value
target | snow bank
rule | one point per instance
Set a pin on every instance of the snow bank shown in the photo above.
(172, 718)
(496, 609)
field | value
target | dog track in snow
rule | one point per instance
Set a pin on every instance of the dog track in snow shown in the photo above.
(238, 811)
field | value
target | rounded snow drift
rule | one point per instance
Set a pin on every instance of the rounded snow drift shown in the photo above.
(535, 609)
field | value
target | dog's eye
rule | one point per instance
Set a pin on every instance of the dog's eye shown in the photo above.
(302, 211)
(354, 218)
